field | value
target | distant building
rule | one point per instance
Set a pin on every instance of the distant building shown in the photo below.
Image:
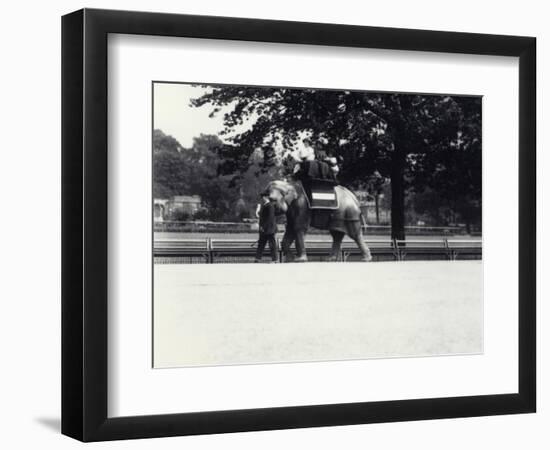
(159, 209)
(178, 207)
(190, 204)
(363, 196)
(370, 206)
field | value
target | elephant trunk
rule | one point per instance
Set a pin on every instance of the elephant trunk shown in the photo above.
(282, 206)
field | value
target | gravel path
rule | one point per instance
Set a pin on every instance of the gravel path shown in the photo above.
(240, 314)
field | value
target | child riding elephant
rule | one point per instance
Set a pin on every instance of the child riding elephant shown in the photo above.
(311, 168)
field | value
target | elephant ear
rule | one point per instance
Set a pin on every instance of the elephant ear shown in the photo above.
(285, 193)
(291, 195)
(281, 186)
(287, 190)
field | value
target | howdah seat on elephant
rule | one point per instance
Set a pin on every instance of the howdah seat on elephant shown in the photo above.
(323, 195)
(322, 202)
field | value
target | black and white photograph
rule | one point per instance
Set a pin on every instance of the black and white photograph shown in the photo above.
(298, 224)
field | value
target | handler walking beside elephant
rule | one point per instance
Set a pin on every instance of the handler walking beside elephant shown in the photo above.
(268, 228)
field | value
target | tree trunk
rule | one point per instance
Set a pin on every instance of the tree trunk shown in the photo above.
(377, 207)
(398, 194)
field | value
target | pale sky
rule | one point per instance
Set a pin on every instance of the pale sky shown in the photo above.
(173, 115)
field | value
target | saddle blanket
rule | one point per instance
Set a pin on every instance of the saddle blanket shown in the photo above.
(323, 196)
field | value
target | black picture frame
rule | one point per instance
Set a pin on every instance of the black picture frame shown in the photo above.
(84, 224)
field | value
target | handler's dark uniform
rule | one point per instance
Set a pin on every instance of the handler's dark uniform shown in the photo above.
(268, 228)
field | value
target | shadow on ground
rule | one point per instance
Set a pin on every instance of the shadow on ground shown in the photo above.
(52, 423)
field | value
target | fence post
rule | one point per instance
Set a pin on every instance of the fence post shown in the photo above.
(448, 249)
(210, 252)
(396, 250)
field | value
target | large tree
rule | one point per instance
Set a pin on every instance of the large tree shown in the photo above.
(169, 171)
(452, 165)
(388, 133)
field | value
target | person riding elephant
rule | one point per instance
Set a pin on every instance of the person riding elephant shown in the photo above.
(314, 167)
(332, 161)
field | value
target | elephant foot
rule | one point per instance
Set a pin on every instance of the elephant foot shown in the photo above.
(333, 259)
(367, 258)
(299, 259)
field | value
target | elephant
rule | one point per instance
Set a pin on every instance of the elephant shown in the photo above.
(291, 200)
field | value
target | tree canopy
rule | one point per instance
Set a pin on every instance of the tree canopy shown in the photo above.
(416, 141)
(228, 191)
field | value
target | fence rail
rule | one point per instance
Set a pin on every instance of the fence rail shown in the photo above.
(240, 227)
(212, 251)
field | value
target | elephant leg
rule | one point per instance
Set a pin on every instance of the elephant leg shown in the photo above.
(301, 255)
(287, 241)
(365, 251)
(357, 235)
(337, 237)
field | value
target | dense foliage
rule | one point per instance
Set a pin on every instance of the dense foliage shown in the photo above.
(422, 151)
(418, 142)
(227, 193)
